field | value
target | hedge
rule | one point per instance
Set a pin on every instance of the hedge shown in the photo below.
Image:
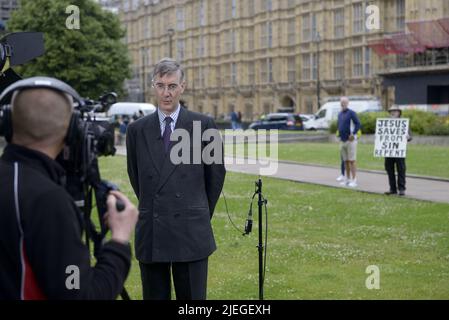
(421, 122)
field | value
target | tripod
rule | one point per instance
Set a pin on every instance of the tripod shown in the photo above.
(100, 191)
(85, 191)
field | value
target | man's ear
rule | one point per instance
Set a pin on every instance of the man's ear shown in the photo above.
(183, 86)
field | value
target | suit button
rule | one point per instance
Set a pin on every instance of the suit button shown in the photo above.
(157, 196)
(155, 215)
(178, 195)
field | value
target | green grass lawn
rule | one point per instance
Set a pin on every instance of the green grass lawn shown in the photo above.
(280, 132)
(320, 242)
(421, 159)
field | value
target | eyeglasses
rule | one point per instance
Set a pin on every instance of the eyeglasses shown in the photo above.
(161, 87)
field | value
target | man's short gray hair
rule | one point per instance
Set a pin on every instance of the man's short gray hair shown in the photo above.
(167, 66)
(67, 96)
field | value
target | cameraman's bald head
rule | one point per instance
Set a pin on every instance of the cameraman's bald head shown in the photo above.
(40, 117)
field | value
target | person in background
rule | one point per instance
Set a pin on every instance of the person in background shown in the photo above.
(123, 125)
(239, 120)
(342, 175)
(390, 164)
(234, 120)
(348, 128)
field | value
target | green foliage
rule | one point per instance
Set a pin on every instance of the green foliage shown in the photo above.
(440, 128)
(368, 121)
(93, 59)
(421, 122)
(333, 127)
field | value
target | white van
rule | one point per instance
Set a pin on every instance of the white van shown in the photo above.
(130, 109)
(330, 110)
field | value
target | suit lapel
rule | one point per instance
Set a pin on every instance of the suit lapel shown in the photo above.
(153, 139)
(183, 122)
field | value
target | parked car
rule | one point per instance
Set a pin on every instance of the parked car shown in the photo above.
(129, 109)
(280, 121)
(330, 110)
(306, 117)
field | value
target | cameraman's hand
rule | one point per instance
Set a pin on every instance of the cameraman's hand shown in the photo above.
(121, 223)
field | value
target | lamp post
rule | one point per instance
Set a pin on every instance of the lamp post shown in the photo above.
(143, 54)
(170, 33)
(318, 85)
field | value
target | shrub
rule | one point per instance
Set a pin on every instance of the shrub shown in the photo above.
(421, 122)
(440, 128)
(368, 121)
(333, 127)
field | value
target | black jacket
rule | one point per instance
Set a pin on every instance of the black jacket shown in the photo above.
(176, 202)
(40, 236)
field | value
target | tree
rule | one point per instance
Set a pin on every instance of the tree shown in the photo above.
(92, 59)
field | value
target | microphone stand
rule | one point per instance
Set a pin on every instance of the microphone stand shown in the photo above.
(260, 204)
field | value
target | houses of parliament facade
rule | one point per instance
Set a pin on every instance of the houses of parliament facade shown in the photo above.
(261, 56)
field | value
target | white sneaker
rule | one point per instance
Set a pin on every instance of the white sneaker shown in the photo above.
(345, 182)
(352, 184)
(341, 178)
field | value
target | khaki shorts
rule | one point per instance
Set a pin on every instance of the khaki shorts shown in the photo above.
(348, 150)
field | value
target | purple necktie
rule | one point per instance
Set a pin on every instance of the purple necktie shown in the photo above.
(167, 133)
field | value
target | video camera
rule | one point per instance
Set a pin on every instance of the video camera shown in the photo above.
(91, 138)
(95, 138)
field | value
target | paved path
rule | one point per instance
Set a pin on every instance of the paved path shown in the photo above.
(422, 188)
(417, 188)
(430, 189)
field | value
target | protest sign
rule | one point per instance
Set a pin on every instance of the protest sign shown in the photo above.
(391, 138)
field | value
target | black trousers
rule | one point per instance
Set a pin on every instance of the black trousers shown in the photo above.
(390, 164)
(189, 278)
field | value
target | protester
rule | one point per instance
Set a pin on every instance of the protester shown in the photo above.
(390, 164)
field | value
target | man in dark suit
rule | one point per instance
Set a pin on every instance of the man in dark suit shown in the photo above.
(176, 201)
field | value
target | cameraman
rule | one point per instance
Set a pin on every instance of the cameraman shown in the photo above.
(41, 252)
